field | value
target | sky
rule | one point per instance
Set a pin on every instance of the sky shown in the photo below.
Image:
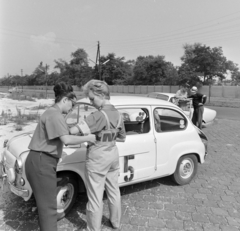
(34, 31)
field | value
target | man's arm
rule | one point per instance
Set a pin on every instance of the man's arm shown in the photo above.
(204, 99)
(70, 139)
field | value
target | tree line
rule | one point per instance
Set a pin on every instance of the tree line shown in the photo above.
(201, 65)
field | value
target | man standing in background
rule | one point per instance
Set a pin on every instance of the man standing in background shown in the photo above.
(198, 100)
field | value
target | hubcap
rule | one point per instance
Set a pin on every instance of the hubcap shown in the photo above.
(64, 197)
(186, 168)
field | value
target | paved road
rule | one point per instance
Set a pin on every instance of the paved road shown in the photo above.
(227, 112)
(211, 202)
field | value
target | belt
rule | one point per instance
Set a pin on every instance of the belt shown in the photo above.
(48, 154)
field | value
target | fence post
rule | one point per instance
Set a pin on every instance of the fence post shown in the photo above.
(209, 92)
(236, 92)
(223, 91)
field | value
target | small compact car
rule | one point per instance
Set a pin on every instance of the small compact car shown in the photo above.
(161, 141)
(14, 89)
(209, 115)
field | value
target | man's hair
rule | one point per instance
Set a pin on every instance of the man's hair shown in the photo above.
(98, 87)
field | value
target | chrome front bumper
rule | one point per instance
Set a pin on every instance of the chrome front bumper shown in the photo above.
(19, 192)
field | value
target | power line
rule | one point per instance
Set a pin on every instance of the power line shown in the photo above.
(168, 34)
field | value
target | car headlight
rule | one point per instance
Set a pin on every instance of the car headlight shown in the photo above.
(18, 166)
(5, 143)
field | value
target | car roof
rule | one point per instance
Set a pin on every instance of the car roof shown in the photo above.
(163, 93)
(133, 100)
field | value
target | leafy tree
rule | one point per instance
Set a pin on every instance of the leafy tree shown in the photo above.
(39, 76)
(152, 70)
(114, 70)
(77, 71)
(187, 75)
(210, 62)
(79, 58)
(172, 74)
(234, 70)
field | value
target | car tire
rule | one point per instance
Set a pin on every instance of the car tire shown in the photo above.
(67, 189)
(186, 169)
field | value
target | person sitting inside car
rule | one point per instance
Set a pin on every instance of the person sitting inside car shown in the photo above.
(140, 117)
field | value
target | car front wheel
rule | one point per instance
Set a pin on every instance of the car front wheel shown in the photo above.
(186, 169)
(67, 189)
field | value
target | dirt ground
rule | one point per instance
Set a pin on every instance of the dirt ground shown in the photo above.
(26, 107)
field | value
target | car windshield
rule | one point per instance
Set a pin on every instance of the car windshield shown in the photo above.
(79, 113)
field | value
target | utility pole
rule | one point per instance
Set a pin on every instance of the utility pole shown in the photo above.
(22, 76)
(46, 78)
(98, 60)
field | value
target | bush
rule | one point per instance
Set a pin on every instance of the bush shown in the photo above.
(34, 95)
(19, 120)
(31, 117)
(18, 127)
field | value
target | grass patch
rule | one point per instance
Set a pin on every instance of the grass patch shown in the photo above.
(23, 119)
(18, 127)
(223, 104)
(31, 117)
(39, 107)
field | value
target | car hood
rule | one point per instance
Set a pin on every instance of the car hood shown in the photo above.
(19, 144)
(72, 154)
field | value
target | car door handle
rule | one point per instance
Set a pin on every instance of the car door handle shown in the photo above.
(131, 157)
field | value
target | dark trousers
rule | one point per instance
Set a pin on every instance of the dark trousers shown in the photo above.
(198, 116)
(41, 174)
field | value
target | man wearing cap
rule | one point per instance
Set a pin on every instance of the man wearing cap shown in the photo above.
(198, 100)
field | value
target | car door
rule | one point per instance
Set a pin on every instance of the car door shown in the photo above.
(188, 109)
(170, 132)
(138, 152)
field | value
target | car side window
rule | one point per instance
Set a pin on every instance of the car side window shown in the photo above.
(136, 120)
(79, 113)
(167, 120)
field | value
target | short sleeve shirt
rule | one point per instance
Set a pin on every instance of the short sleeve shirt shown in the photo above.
(50, 128)
(97, 121)
(181, 94)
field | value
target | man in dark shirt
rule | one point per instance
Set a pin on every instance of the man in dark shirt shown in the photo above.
(198, 100)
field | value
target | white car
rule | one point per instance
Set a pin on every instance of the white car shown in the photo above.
(14, 89)
(163, 143)
(208, 114)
